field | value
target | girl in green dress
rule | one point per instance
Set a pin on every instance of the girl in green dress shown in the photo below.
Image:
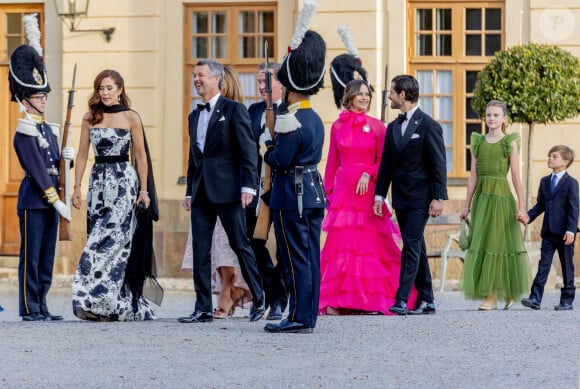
(496, 265)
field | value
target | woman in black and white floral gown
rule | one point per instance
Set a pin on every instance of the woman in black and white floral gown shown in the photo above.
(116, 189)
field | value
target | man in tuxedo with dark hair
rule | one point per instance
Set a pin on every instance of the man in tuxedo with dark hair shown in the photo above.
(221, 182)
(272, 276)
(414, 163)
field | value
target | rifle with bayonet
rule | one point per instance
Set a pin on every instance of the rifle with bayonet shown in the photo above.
(64, 230)
(386, 89)
(264, 220)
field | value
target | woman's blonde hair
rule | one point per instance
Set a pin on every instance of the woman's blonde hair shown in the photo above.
(232, 86)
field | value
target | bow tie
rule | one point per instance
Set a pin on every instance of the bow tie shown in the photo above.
(402, 117)
(204, 106)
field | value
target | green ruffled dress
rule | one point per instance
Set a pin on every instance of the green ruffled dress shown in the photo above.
(496, 258)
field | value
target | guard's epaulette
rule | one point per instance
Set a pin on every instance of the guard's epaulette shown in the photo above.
(287, 123)
(28, 127)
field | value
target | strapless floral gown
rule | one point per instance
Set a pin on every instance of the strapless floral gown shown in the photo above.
(97, 289)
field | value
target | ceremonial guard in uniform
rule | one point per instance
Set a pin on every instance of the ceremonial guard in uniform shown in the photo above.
(276, 296)
(39, 207)
(298, 199)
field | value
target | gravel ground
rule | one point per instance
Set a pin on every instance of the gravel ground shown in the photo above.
(458, 347)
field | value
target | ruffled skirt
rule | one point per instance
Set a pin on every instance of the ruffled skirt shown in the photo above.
(497, 258)
(361, 260)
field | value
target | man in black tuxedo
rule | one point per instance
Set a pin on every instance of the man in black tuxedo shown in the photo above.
(221, 171)
(271, 275)
(414, 163)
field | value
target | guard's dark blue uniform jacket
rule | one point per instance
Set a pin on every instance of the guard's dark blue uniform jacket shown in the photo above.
(36, 145)
(297, 203)
(296, 146)
(37, 148)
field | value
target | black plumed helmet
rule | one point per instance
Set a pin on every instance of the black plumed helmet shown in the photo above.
(27, 74)
(343, 69)
(302, 70)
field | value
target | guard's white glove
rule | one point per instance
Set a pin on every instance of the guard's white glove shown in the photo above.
(265, 137)
(68, 153)
(62, 209)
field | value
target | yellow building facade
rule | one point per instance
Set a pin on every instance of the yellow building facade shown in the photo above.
(156, 43)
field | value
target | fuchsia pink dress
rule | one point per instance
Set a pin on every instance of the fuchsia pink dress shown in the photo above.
(361, 260)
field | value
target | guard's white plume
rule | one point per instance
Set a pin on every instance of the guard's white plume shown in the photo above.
(306, 14)
(32, 31)
(348, 40)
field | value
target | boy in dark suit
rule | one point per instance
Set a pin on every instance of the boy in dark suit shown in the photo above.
(558, 199)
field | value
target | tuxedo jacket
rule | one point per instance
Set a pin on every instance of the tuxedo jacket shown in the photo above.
(229, 159)
(256, 111)
(560, 208)
(413, 164)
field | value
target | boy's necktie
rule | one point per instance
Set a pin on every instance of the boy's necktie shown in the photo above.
(553, 183)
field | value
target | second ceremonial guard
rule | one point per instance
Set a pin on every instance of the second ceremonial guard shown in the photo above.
(298, 199)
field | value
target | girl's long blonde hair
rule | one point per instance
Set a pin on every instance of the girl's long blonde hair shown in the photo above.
(503, 106)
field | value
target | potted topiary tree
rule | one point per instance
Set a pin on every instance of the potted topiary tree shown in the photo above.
(539, 84)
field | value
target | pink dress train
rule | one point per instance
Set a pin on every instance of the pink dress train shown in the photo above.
(361, 259)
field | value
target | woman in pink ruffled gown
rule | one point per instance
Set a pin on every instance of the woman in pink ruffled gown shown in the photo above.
(361, 259)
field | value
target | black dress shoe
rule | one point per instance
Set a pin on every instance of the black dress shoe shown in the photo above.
(563, 307)
(33, 317)
(424, 308)
(400, 308)
(258, 310)
(197, 317)
(287, 326)
(48, 316)
(530, 303)
(275, 312)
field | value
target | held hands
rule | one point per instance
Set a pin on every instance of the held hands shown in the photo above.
(68, 153)
(62, 209)
(522, 217)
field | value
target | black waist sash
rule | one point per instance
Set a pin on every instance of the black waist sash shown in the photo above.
(111, 158)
